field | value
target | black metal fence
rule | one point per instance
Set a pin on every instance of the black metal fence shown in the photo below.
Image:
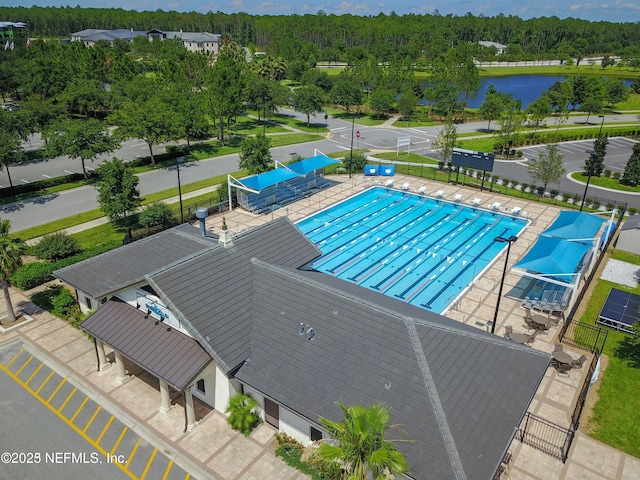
(582, 398)
(545, 436)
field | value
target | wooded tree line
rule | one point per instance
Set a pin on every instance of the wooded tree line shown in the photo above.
(351, 37)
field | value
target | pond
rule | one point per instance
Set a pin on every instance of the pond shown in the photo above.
(523, 87)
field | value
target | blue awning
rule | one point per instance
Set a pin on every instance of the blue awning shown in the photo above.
(370, 170)
(577, 226)
(308, 165)
(554, 257)
(267, 179)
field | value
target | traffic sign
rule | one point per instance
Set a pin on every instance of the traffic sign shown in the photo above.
(358, 134)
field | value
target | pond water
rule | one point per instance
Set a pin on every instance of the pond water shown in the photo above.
(523, 87)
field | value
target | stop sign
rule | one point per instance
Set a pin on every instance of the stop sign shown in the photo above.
(358, 134)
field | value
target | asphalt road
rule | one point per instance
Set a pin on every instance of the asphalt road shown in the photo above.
(419, 140)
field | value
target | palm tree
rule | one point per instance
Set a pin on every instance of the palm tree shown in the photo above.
(360, 444)
(10, 261)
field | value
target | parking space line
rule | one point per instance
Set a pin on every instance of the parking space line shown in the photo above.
(122, 434)
(35, 372)
(146, 469)
(75, 415)
(56, 390)
(64, 404)
(46, 380)
(24, 365)
(93, 417)
(133, 452)
(66, 420)
(166, 472)
(187, 476)
(14, 358)
(104, 430)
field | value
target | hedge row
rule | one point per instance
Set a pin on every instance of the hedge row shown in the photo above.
(33, 274)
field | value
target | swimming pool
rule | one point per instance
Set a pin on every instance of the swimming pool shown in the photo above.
(417, 249)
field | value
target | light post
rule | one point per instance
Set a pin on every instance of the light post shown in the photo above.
(508, 241)
(589, 173)
(601, 124)
(180, 160)
(264, 116)
(353, 125)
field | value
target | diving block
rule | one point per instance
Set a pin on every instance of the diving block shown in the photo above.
(439, 193)
(421, 190)
(389, 183)
(496, 206)
(405, 186)
(516, 210)
(476, 201)
(457, 198)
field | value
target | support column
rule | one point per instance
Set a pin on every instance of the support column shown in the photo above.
(122, 373)
(103, 363)
(191, 413)
(165, 399)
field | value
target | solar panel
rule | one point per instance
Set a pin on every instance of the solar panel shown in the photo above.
(620, 311)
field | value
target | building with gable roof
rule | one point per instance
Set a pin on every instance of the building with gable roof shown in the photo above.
(246, 314)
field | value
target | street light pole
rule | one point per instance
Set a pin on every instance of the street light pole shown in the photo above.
(589, 172)
(508, 241)
(178, 161)
(353, 125)
(601, 124)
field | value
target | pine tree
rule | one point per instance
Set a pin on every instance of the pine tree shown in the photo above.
(631, 175)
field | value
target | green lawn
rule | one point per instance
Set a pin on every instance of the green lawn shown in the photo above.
(559, 70)
(405, 157)
(606, 182)
(616, 418)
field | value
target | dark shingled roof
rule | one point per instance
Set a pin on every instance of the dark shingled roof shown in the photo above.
(166, 353)
(457, 392)
(112, 271)
(212, 292)
(631, 223)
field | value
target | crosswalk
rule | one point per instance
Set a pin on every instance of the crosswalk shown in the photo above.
(117, 444)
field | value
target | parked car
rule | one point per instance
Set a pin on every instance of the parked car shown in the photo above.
(11, 107)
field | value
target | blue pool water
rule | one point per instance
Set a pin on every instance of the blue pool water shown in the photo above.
(416, 249)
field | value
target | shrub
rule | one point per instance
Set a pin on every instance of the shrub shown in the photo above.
(610, 206)
(540, 190)
(157, 214)
(56, 246)
(616, 175)
(554, 193)
(514, 183)
(576, 198)
(243, 415)
(30, 275)
(59, 301)
(63, 304)
(524, 186)
(565, 197)
(632, 211)
(607, 172)
(596, 204)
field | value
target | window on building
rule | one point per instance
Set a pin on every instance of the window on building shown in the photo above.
(88, 302)
(315, 434)
(200, 386)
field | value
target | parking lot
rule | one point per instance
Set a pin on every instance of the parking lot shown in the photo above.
(51, 430)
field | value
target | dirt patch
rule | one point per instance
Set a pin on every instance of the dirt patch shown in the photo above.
(5, 323)
(587, 424)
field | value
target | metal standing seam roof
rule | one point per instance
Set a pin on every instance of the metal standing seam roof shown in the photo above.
(117, 269)
(166, 353)
(211, 293)
(457, 393)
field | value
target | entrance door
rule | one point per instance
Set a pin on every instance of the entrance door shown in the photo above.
(272, 413)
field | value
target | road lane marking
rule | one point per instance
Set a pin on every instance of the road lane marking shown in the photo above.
(146, 469)
(104, 430)
(24, 181)
(75, 415)
(35, 372)
(46, 176)
(93, 417)
(24, 365)
(14, 358)
(133, 452)
(67, 400)
(46, 380)
(67, 171)
(56, 390)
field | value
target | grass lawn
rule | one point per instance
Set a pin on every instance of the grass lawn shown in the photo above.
(568, 70)
(607, 182)
(632, 103)
(616, 418)
(405, 157)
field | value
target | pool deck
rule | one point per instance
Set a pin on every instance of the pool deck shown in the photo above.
(557, 395)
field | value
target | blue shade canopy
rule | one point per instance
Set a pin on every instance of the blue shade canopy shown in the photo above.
(267, 179)
(371, 170)
(554, 257)
(574, 225)
(308, 165)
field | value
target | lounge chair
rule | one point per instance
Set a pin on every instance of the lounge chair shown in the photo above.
(507, 330)
(389, 183)
(476, 201)
(421, 190)
(439, 193)
(496, 206)
(405, 186)
(516, 210)
(457, 197)
(579, 362)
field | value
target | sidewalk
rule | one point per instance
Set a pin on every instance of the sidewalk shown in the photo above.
(211, 451)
